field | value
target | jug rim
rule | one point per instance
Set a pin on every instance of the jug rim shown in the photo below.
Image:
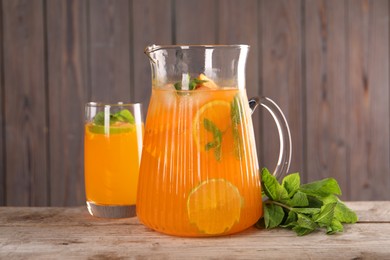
(154, 47)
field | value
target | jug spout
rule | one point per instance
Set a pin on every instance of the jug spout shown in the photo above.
(149, 50)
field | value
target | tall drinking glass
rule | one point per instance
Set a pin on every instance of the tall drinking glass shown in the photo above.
(113, 144)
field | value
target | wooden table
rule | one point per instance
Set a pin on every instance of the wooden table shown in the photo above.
(73, 233)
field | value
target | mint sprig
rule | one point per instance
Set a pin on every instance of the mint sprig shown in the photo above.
(117, 121)
(193, 84)
(123, 115)
(235, 114)
(303, 208)
(217, 138)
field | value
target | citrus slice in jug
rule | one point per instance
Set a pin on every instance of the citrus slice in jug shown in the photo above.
(214, 206)
(211, 119)
(206, 83)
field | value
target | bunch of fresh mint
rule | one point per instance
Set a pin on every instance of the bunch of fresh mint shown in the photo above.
(303, 208)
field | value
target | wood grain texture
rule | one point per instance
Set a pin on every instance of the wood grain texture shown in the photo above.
(109, 45)
(25, 104)
(368, 83)
(371, 211)
(73, 233)
(326, 63)
(68, 90)
(238, 24)
(196, 22)
(2, 119)
(151, 24)
(326, 92)
(281, 72)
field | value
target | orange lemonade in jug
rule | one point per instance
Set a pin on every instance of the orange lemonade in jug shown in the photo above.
(199, 173)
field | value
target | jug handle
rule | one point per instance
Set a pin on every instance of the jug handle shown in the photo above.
(285, 150)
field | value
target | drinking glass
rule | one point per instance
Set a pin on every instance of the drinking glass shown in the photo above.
(113, 144)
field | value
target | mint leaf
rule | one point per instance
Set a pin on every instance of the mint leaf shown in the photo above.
(306, 222)
(314, 202)
(218, 153)
(325, 216)
(291, 183)
(344, 214)
(193, 83)
(210, 145)
(99, 118)
(298, 200)
(125, 116)
(291, 219)
(236, 110)
(335, 226)
(322, 188)
(199, 81)
(211, 127)
(301, 231)
(304, 225)
(177, 85)
(235, 114)
(217, 136)
(329, 199)
(272, 188)
(273, 215)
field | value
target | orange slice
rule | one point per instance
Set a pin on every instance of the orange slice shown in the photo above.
(217, 112)
(214, 206)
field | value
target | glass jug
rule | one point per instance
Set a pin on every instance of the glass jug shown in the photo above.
(199, 174)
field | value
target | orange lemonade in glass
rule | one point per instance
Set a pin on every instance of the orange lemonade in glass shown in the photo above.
(113, 142)
(199, 162)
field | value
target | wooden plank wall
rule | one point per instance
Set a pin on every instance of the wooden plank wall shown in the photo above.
(325, 62)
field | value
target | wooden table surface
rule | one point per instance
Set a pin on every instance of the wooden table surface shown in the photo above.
(72, 233)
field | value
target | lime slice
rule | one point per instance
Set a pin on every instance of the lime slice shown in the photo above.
(214, 206)
(115, 129)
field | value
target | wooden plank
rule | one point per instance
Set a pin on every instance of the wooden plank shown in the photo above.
(67, 77)
(371, 211)
(326, 92)
(367, 211)
(122, 241)
(196, 22)
(281, 76)
(368, 83)
(2, 119)
(72, 232)
(25, 104)
(152, 24)
(234, 20)
(109, 27)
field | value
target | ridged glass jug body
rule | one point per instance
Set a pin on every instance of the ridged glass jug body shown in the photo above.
(199, 174)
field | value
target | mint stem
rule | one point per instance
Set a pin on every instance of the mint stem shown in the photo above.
(277, 203)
